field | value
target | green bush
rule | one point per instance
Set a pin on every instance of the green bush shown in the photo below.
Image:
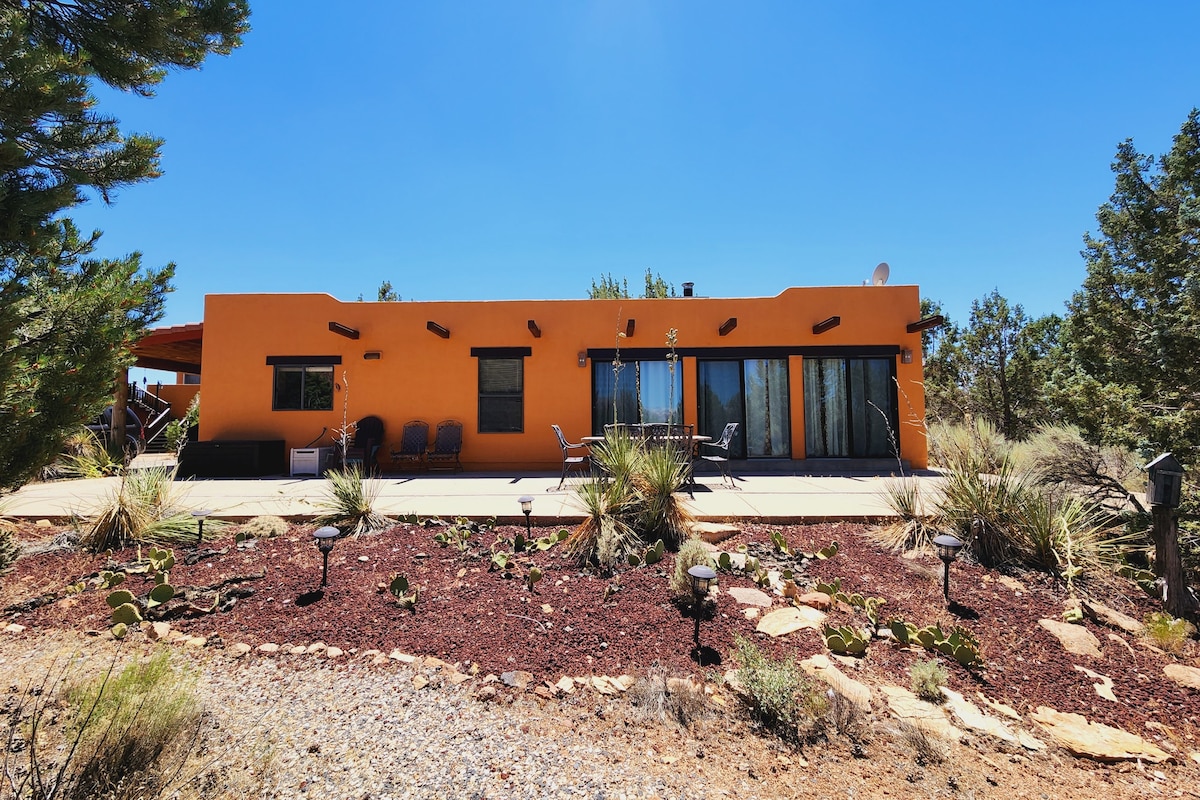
(264, 527)
(1168, 633)
(177, 429)
(692, 553)
(928, 678)
(782, 699)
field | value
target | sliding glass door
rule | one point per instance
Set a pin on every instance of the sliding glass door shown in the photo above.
(643, 391)
(849, 407)
(752, 393)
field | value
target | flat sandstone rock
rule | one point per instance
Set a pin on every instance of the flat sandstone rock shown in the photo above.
(1083, 738)
(788, 620)
(1074, 638)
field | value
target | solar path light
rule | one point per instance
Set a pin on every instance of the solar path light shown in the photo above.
(947, 548)
(200, 515)
(702, 580)
(526, 509)
(325, 539)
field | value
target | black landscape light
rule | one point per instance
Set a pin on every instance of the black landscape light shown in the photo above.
(200, 515)
(325, 539)
(526, 509)
(702, 580)
(947, 550)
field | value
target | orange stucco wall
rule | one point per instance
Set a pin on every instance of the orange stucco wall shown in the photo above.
(422, 376)
(179, 395)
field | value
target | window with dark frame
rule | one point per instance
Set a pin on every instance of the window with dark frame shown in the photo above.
(501, 394)
(302, 383)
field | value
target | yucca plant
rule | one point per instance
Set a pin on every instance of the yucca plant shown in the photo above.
(86, 455)
(349, 504)
(605, 533)
(984, 509)
(142, 508)
(915, 527)
(1066, 535)
(619, 456)
(662, 513)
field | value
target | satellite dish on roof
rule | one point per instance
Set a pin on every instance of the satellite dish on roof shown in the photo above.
(880, 276)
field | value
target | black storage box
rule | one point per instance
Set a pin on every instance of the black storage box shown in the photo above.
(233, 459)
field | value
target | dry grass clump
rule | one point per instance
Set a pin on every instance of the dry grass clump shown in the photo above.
(264, 527)
(666, 699)
(928, 678)
(926, 747)
(120, 735)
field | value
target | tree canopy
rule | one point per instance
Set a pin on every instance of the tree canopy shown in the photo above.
(1133, 330)
(67, 320)
(609, 288)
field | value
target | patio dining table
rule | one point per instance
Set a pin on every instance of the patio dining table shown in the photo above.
(696, 439)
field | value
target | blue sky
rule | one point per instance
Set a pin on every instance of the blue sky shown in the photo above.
(488, 150)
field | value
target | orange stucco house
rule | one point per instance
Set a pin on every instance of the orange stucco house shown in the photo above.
(812, 374)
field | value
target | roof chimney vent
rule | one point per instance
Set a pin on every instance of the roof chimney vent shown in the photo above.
(687, 288)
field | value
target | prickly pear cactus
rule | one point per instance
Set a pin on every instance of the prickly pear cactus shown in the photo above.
(126, 613)
(119, 598)
(159, 595)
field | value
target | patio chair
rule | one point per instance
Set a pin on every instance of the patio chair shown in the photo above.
(677, 439)
(447, 444)
(721, 458)
(364, 447)
(570, 462)
(414, 441)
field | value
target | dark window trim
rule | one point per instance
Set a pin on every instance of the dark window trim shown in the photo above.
(302, 361)
(815, 351)
(501, 352)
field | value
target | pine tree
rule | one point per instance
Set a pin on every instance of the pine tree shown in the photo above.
(67, 320)
(1133, 330)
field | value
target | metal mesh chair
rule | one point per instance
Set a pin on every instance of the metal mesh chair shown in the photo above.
(447, 444)
(720, 459)
(570, 462)
(414, 441)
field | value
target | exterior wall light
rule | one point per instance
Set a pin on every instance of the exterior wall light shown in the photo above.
(200, 514)
(582, 358)
(906, 356)
(526, 509)
(947, 548)
(325, 540)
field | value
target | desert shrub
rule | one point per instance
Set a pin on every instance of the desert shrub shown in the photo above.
(663, 698)
(661, 473)
(9, 549)
(128, 722)
(619, 456)
(120, 735)
(692, 552)
(1058, 455)
(928, 678)
(1168, 633)
(349, 503)
(142, 508)
(781, 698)
(976, 446)
(264, 527)
(927, 747)
(847, 718)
